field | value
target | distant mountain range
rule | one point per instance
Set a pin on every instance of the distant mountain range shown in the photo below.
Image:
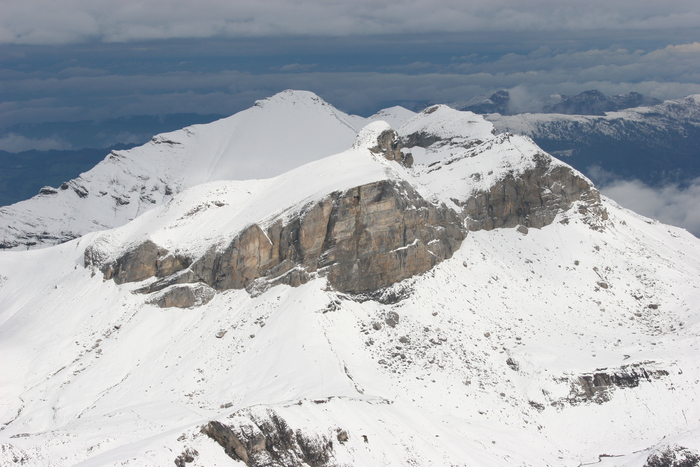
(591, 102)
(656, 144)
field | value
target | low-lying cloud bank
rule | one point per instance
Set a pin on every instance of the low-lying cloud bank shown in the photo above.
(673, 204)
(12, 142)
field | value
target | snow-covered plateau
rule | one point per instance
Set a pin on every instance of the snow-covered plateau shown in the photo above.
(294, 286)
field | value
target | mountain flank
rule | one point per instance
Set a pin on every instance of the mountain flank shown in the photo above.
(433, 292)
(363, 239)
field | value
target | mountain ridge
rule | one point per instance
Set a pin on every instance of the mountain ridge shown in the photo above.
(128, 183)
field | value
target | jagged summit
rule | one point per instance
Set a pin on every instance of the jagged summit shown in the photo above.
(482, 305)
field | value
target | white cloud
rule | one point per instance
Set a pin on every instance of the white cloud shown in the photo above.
(674, 63)
(296, 67)
(12, 142)
(78, 91)
(225, 92)
(671, 204)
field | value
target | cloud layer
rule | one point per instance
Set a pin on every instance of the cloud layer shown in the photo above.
(12, 142)
(670, 204)
(83, 88)
(71, 21)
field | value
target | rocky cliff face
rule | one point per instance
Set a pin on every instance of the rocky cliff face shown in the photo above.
(531, 195)
(389, 145)
(144, 261)
(532, 198)
(362, 240)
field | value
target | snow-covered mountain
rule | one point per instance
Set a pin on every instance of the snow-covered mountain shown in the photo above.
(592, 102)
(665, 116)
(275, 135)
(431, 293)
(655, 144)
(628, 136)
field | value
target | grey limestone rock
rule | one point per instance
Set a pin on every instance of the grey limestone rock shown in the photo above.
(389, 145)
(673, 456)
(531, 199)
(362, 240)
(142, 262)
(184, 296)
(598, 387)
(267, 440)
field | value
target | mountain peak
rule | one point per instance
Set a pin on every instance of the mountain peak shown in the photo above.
(276, 135)
(292, 96)
(441, 121)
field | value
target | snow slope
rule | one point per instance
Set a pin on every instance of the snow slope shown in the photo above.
(213, 213)
(272, 137)
(479, 363)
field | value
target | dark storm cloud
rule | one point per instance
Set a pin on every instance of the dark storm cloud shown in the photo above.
(50, 22)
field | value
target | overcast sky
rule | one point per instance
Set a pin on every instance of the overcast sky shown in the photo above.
(79, 59)
(72, 21)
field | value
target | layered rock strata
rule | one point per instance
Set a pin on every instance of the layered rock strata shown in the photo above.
(362, 240)
(532, 198)
(144, 261)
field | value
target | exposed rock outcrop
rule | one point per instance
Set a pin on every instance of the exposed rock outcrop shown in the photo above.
(598, 387)
(363, 239)
(673, 456)
(420, 139)
(184, 296)
(268, 440)
(389, 145)
(144, 261)
(531, 199)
